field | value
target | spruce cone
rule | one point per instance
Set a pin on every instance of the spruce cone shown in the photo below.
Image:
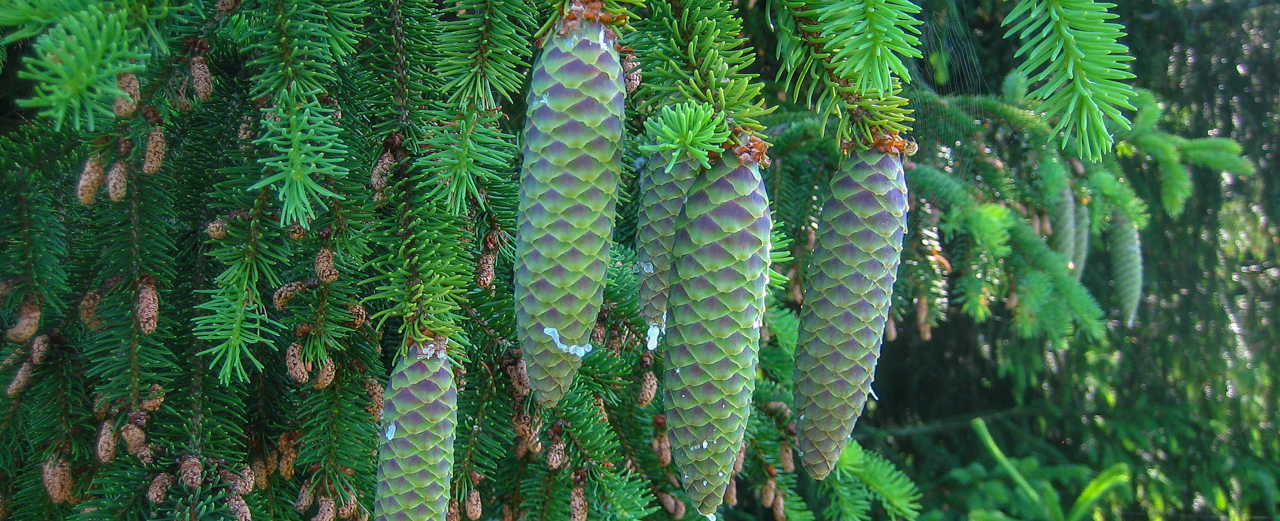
(134, 438)
(286, 293)
(454, 512)
(260, 472)
(306, 497)
(485, 268)
(717, 297)
(578, 504)
(217, 229)
(106, 447)
(785, 458)
(156, 147)
(288, 455)
(325, 510)
(473, 506)
(239, 508)
(377, 400)
(190, 470)
(780, 508)
(299, 370)
(663, 191)
(118, 181)
(39, 349)
(648, 388)
(27, 324)
(731, 492)
(127, 105)
(159, 489)
(153, 402)
(768, 492)
(847, 295)
(416, 465)
(57, 479)
(325, 270)
(1081, 247)
(1126, 266)
(325, 377)
(201, 79)
(358, 314)
(21, 380)
(89, 310)
(556, 456)
(568, 186)
(148, 305)
(349, 508)
(91, 180)
(519, 378)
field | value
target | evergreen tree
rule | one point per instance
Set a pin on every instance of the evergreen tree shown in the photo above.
(592, 259)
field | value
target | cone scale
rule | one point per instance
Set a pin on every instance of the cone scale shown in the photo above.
(847, 293)
(415, 466)
(663, 191)
(719, 277)
(568, 185)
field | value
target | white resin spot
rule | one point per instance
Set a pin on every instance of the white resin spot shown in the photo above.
(575, 350)
(873, 393)
(391, 431)
(711, 517)
(654, 331)
(704, 444)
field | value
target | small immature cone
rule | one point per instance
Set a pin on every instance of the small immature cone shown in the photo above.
(306, 497)
(260, 473)
(156, 147)
(56, 473)
(348, 508)
(847, 295)
(785, 458)
(293, 362)
(473, 506)
(416, 465)
(134, 438)
(780, 508)
(217, 229)
(662, 448)
(288, 455)
(358, 314)
(485, 268)
(519, 373)
(27, 324)
(454, 512)
(89, 309)
(325, 377)
(377, 399)
(742, 459)
(648, 388)
(1081, 247)
(159, 488)
(1064, 219)
(578, 504)
(568, 185)
(118, 181)
(668, 502)
(201, 79)
(325, 509)
(148, 305)
(190, 471)
(39, 349)
(239, 508)
(768, 492)
(154, 400)
(556, 456)
(125, 106)
(325, 269)
(106, 447)
(91, 180)
(662, 192)
(21, 380)
(717, 301)
(731, 492)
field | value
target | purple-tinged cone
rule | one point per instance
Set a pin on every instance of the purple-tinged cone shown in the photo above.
(415, 468)
(568, 185)
(719, 279)
(847, 294)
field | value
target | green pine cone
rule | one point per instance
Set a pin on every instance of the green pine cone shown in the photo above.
(662, 193)
(1081, 248)
(1064, 225)
(719, 276)
(1126, 266)
(572, 159)
(847, 294)
(416, 461)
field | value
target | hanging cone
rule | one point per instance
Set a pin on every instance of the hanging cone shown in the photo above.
(567, 188)
(416, 459)
(847, 293)
(663, 192)
(718, 284)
